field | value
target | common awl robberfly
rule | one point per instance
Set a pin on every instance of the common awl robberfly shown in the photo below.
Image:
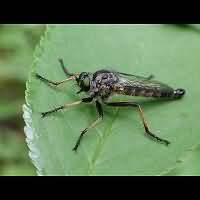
(102, 84)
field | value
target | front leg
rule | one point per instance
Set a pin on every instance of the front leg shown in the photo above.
(53, 82)
(146, 127)
(63, 67)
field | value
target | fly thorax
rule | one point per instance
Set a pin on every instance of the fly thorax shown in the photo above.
(102, 83)
(107, 79)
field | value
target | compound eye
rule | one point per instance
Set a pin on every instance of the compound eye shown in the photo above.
(86, 82)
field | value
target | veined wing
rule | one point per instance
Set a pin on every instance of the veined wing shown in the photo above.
(131, 79)
(140, 86)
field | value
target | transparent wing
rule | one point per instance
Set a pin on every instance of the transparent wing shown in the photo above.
(133, 77)
(141, 81)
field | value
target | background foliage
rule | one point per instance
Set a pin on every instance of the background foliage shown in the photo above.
(17, 43)
(168, 51)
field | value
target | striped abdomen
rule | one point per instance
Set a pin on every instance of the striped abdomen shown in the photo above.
(150, 90)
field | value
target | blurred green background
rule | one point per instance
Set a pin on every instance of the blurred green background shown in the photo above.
(17, 44)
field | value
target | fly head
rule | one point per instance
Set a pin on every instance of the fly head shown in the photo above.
(83, 82)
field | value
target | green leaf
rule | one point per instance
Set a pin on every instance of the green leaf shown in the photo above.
(189, 165)
(118, 145)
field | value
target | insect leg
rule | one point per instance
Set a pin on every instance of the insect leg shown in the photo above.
(146, 127)
(63, 67)
(92, 125)
(85, 100)
(53, 82)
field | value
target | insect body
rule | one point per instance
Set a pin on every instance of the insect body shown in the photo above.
(102, 84)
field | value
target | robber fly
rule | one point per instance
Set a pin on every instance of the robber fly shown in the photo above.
(102, 84)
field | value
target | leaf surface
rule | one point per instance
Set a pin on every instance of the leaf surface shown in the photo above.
(117, 146)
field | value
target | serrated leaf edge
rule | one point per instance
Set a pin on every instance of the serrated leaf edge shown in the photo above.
(29, 131)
